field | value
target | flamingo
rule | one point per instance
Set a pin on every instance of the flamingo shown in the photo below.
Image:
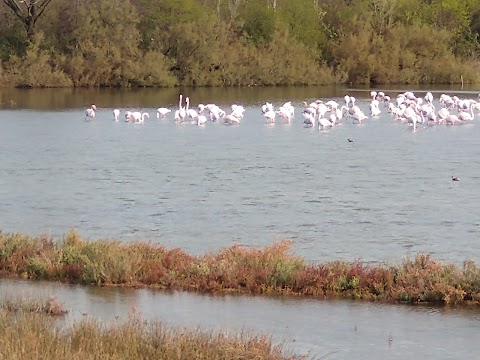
(136, 116)
(231, 119)
(270, 116)
(286, 114)
(324, 123)
(237, 111)
(309, 119)
(374, 108)
(201, 120)
(90, 112)
(215, 112)
(116, 114)
(266, 107)
(191, 112)
(162, 112)
(180, 113)
(466, 116)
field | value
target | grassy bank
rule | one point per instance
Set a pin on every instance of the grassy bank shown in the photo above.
(273, 270)
(26, 333)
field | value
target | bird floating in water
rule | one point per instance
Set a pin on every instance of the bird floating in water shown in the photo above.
(350, 140)
(454, 178)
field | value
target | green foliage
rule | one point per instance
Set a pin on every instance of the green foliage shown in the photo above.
(259, 23)
(162, 43)
(158, 16)
(405, 54)
(304, 21)
(13, 40)
(106, 43)
(37, 68)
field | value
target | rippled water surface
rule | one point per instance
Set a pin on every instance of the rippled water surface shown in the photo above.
(386, 196)
(383, 197)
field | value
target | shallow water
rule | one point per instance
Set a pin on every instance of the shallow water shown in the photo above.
(342, 329)
(386, 196)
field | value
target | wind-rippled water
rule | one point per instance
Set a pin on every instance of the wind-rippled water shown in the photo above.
(386, 196)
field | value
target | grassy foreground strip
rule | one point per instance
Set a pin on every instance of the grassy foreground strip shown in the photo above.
(29, 334)
(272, 270)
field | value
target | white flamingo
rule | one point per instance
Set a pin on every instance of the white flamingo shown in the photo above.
(374, 107)
(266, 107)
(90, 112)
(466, 116)
(192, 113)
(231, 119)
(180, 114)
(215, 112)
(201, 120)
(238, 111)
(136, 116)
(324, 123)
(116, 114)
(270, 116)
(162, 112)
(309, 119)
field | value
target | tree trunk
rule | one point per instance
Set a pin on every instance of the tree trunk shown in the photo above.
(28, 11)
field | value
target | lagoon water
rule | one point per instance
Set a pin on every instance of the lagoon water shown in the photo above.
(384, 197)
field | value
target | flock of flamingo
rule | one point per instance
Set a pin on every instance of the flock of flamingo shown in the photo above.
(406, 108)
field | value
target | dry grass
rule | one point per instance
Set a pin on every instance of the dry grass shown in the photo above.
(271, 270)
(29, 333)
(48, 306)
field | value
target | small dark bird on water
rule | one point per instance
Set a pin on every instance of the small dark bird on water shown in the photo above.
(454, 178)
(350, 140)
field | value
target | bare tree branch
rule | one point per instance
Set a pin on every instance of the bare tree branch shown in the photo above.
(28, 11)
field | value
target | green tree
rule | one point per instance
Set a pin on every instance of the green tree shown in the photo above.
(157, 16)
(13, 39)
(304, 19)
(104, 43)
(259, 23)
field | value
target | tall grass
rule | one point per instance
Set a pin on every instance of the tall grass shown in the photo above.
(27, 334)
(272, 270)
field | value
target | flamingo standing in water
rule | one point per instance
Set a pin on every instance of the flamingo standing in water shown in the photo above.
(180, 113)
(162, 112)
(116, 114)
(136, 116)
(90, 112)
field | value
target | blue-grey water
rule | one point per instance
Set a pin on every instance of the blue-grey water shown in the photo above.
(384, 197)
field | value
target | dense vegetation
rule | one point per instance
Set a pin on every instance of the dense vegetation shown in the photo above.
(273, 270)
(162, 43)
(28, 333)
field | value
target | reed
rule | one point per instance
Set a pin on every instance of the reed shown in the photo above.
(27, 334)
(40, 305)
(272, 270)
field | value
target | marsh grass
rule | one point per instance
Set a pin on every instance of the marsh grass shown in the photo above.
(28, 332)
(28, 304)
(272, 270)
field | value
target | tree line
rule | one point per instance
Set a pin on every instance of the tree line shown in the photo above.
(165, 43)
